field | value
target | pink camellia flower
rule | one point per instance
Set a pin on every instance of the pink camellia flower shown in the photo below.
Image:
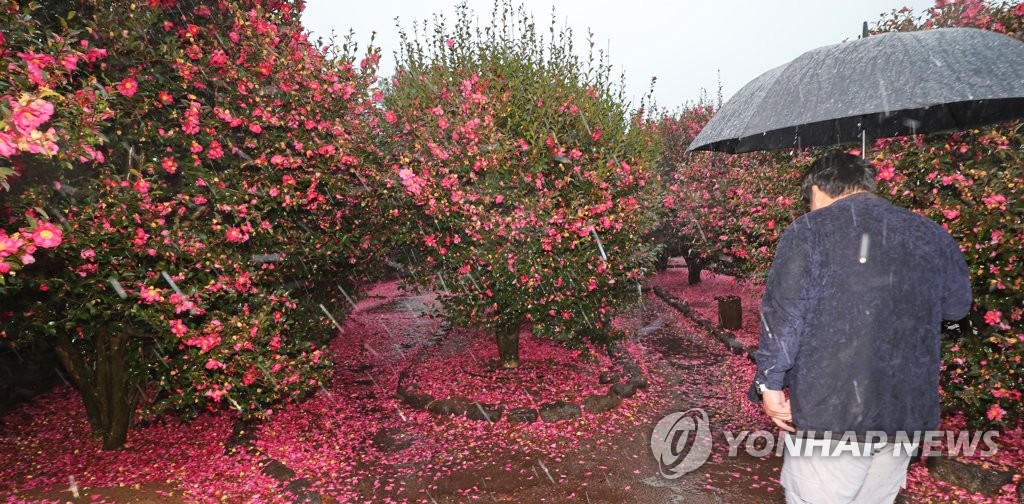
(70, 62)
(9, 245)
(4, 268)
(214, 364)
(8, 146)
(1019, 9)
(128, 87)
(43, 143)
(993, 317)
(178, 327)
(31, 115)
(47, 235)
(215, 151)
(951, 214)
(218, 58)
(169, 164)
(995, 413)
(88, 254)
(411, 182)
(35, 63)
(27, 259)
(150, 294)
(450, 42)
(236, 235)
(995, 201)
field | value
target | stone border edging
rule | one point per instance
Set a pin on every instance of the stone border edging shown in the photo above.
(412, 394)
(724, 336)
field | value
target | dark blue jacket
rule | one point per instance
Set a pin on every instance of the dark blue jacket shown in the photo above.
(851, 316)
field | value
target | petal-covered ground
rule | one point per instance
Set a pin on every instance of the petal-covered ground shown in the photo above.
(355, 441)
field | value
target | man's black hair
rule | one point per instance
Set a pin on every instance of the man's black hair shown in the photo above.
(838, 173)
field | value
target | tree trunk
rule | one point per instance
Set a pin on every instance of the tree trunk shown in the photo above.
(693, 269)
(107, 391)
(508, 345)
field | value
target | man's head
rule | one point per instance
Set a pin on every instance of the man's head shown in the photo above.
(835, 175)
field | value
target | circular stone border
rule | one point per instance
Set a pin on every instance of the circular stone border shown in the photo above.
(413, 395)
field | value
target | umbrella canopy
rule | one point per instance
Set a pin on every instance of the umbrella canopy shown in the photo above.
(886, 85)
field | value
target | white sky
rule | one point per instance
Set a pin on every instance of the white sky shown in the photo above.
(687, 44)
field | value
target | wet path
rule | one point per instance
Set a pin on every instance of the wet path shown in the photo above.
(694, 370)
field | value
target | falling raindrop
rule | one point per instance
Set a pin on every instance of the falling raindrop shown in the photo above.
(375, 384)
(333, 321)
(443, 284)
(353, 303)
(488, 417)
(117, 287)
(173, 285)
(234, 403)
(268, 258)
(371, 350)
(865, 244)
(599, 245)
(61, 375)
(545, 468)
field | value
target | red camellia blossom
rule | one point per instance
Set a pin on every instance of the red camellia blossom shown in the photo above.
(150, 294)
(47, 235)
(993, 317)
(9, 245)
(236, 235)
(29, 116)
(128, 87)
(995, 413)
(169, 165)
(178, 327)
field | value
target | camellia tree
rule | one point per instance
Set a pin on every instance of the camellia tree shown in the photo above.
(724, 210)
(526, 188)
(972, 183)
(204, 246)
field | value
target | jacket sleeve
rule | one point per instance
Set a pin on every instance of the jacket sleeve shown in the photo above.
(783, 307)
(956, 295)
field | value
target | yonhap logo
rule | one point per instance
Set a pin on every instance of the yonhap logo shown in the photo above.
(681, 442)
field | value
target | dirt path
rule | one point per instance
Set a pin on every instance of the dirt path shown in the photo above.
(622, 468)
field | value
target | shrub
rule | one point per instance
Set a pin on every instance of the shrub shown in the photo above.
(208, 242)
(528, 189)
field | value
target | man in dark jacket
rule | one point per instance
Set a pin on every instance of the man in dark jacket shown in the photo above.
(851, 322)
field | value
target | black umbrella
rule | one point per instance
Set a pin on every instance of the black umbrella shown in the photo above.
(886, 85)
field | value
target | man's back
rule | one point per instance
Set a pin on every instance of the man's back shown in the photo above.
(879, 280)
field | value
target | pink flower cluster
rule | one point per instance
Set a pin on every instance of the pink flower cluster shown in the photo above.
(22, 134)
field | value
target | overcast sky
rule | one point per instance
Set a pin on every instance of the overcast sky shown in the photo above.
(687, 44)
